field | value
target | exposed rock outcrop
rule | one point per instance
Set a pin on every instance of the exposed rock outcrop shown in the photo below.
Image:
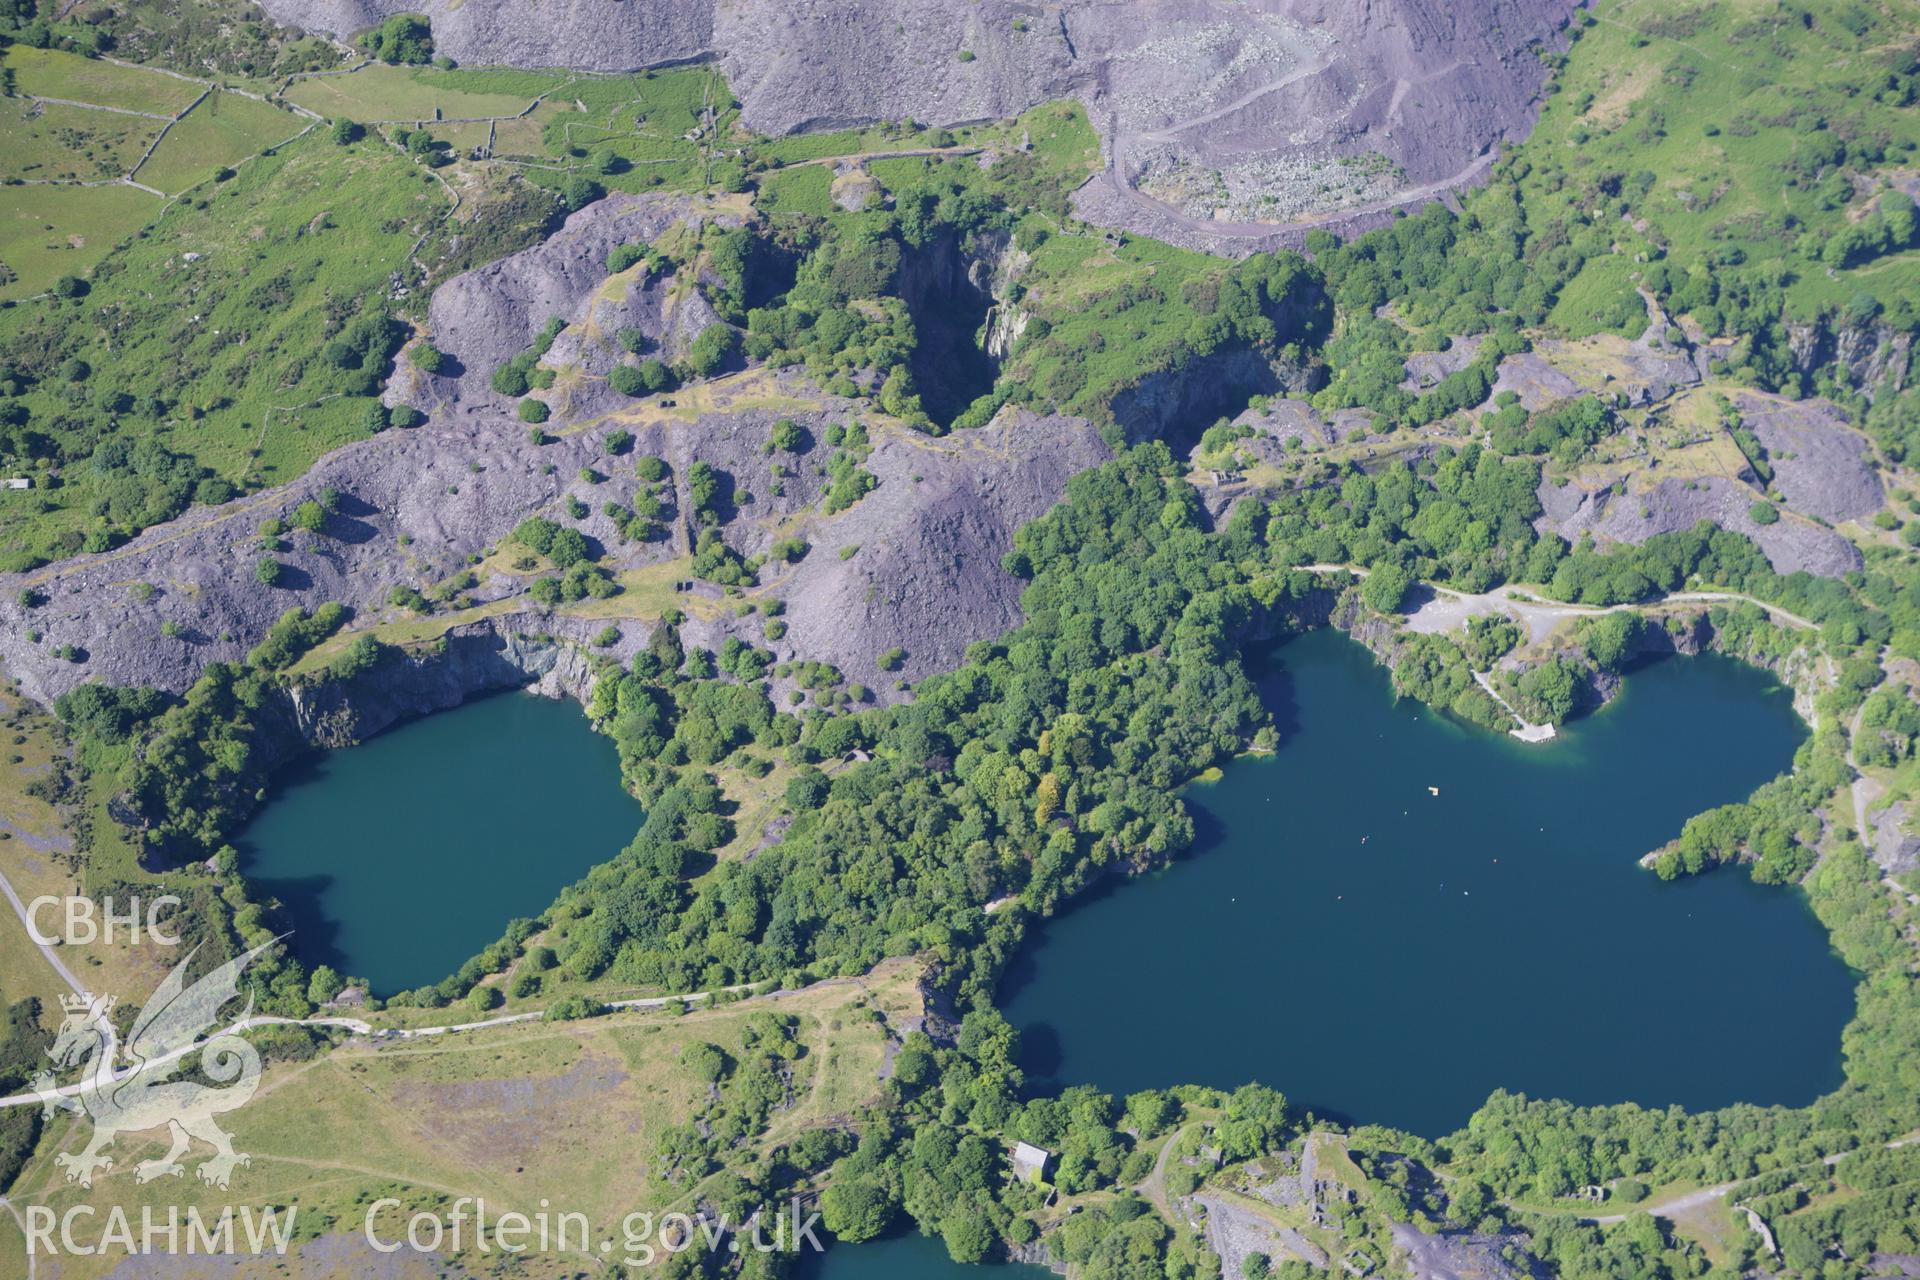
(1821, 466)
(926, 576)
(1236, 129)
(1427, 368)
(1177, 404)
(1234, 1233)
(418, 504)
(815, 65)
(1894, 847)
(1465, 1255)
(1876, 357)
(1671, 505)
(474, 658)
(1536, 382)
(488, 315)
(416, 507)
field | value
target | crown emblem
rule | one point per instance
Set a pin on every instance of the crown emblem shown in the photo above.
(83, 1002)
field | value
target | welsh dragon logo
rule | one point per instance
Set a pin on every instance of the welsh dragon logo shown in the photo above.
(142, 1096)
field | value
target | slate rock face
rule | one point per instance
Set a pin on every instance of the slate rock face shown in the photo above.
(1537, 383)
(1425, 369)
(825, 64)
(1286, 419)
(486, 316)
(1820, 465)
(418, 505)
(1894, 847)
(927, 575)
(1228, 117)
(1673, 505)
(1227, 126)
(1877, 357)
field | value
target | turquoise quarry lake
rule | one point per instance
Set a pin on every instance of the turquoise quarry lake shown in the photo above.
(1373, 950)
(1382, 953)
(905, 1256)
(400, 858)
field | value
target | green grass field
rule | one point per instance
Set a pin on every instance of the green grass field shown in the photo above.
(221, 131)
(1601, 299)
(660, 104)
(807, 189)
(48, 232)
(642, 120)
(378, 92)
(48, 73)
(461, 137)
(842, 142)
(1044, 153)
(46, 141)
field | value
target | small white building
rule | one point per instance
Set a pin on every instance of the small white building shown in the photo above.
(19, 482)
(1030, 1162)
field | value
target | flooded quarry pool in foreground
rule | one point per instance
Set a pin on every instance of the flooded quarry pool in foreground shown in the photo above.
(400, 858)
(905, 1255)
(1386, 954)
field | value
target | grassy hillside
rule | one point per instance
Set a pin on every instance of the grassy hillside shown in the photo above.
(377, 93)
(221, 131)
(51, 73)
(1741, 138)
(47, 232)
(209, 338)
(593, 1117)
(44, 140)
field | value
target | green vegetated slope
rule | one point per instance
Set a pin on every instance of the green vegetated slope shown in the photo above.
(806, 189)
(1758, 141)
(44, 140)
(237, 339)
(231, 39)
(103, 129)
